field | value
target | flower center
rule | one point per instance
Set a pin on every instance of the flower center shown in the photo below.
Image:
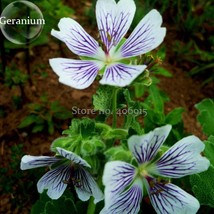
(108, 59)
(146, 170)
(142, 170)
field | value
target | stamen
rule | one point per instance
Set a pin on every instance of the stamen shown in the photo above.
(154, 181)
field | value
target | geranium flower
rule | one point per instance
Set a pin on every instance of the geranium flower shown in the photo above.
(125, 183)
(65, 169)
(106, 57)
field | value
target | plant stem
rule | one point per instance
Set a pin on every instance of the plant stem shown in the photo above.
(91, 206)
(114, 108)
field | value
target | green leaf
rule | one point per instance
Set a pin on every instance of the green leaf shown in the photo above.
(139, 84)
(118, 153)
(153, 119)
(45, 205)
(161, 53)
(209, 149)
(55, 106)
(154, 106)
(35, 107)
(147, 81)
(141, 81)
(73, 128)
(139, 89)
(206, 115)
(202, 186)
(135, 128)
(81, 130)
(63, 115)
(68, 143)
(38, 128)
(60, 112)
(88, 147)
(84, 128)
(102, 100)
(87, 127)
(50, 127)
(156, 99)
(14, 77)
(175, 116)
(115, 134)
(107, 132)
(95, 164)
(63, 205)
(27, 121)
(135, 109)
(38, 207)
(162, 71)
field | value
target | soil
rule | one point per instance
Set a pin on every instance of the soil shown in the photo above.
(182, 90)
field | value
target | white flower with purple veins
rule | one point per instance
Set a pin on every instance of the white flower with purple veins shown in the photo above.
(69, 168)
(125, 184)
(106, 57)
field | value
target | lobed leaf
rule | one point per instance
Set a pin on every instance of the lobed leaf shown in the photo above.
(45, 205)
(102, 100)
(202, 186)
(175, 116)
(206, 115)
(27, 121)
(209, 149)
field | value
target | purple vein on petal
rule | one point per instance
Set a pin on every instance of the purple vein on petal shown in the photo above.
(114, 20)
(128, 201)
(183, 159)
(121, 75)
(145, 147)
(76, 73)
(54, 181)
(168, 198)
(113, 35)
(77, 39)
(146, 36)
(123, 176)
(117, 176)
(86, 185)
(135, 45)
(72, 157)
(29, 162)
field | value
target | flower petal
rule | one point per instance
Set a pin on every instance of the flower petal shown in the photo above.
(183, 159)
(170, 199)
(54, 181)
(78, 74)
(114, 20)
(116, 177)
(145, 147)
(146, 36)
(121, 75)
(73, 157)
(127, 201)
(30, 162)
(77, 39)
(86, 186)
